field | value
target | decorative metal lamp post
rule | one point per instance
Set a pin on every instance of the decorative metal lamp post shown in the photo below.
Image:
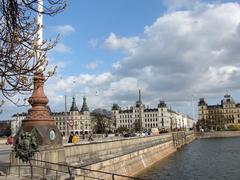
(39, 122)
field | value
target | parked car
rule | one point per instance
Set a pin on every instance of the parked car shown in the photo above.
(129, 135)
(163, 130)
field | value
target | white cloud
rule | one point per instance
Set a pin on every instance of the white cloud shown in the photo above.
(128, 44)
(93, 65)
(60, 47)
(188, 52)
(64, 29)
(116, 65)
(183, 53)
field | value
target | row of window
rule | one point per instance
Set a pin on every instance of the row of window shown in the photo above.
(137, 115)
(230, 121)
(221, 111)
(151, 125)
(71, 117)
(152, 115)
(126, 116)
(126, 121)
(146, 125)
(76, 123)
(152, 120)
(146, 120)
(60, 123)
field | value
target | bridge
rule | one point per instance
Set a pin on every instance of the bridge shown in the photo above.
(121, 158)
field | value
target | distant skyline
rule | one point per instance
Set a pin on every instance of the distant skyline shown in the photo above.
(172, 50)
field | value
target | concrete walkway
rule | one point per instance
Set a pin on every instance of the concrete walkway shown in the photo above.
(4, 156)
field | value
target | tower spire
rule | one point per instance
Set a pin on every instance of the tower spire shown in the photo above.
(74, 106)
(84, 106)
(140, 96)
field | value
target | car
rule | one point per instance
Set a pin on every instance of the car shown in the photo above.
(129, 135)
(126, 135)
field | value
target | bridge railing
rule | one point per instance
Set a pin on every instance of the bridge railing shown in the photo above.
(44, 170)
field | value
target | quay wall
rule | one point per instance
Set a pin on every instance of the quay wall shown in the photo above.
(218, 134)
(91, 152)
(129, 160)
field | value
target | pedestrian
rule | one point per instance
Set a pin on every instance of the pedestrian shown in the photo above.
(9, 140)
(90, 138)
(64, 138)
(75, 138)
(70, 138)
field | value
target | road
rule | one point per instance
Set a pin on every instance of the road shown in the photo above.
(4, 156)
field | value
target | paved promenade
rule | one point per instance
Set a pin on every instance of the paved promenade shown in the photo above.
(4, 158)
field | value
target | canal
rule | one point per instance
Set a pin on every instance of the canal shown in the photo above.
(204, 159)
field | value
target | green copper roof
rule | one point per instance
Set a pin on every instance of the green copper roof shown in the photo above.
(84, 106)
(74, 106)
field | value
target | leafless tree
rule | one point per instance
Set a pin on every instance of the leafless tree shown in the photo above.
(101, 120)
(18, 49)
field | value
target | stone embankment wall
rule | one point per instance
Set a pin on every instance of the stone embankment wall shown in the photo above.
(91, 152)
(126, 156)
(218, 134)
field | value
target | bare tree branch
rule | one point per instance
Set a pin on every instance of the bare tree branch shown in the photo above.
(18, 48)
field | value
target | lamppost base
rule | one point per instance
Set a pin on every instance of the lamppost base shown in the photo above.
(39, 118)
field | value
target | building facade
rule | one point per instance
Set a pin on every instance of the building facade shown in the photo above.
(140, 118)
(16, 122)
(220, 116)
(72, 121)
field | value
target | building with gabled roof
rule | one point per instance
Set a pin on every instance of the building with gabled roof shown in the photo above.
(141, 118)
(219, 116)
(74, 121)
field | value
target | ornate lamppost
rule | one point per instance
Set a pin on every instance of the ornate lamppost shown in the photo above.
(38, 122)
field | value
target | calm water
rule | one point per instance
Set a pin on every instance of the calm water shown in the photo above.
(205, 159)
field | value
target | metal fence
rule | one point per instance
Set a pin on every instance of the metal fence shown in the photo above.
(38, 169)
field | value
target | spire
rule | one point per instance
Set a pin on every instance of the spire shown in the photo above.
(162, 104)
(140, 96)
(84, 106)
(139, 101)
(74, 106)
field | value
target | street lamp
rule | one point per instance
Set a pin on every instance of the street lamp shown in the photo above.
(83, 134)
(38, 116)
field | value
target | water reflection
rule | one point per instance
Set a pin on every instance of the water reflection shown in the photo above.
(205, 159)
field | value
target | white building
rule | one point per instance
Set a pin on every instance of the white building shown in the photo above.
(77, 121)
(138, 117)
(16, 122)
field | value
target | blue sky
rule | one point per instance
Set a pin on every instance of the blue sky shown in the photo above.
(171, 49)
(93, 21)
